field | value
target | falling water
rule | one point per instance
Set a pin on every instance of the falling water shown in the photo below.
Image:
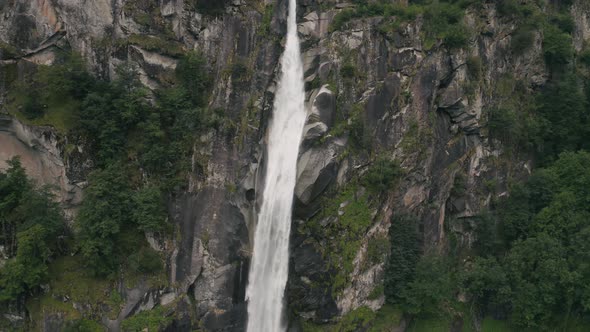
(269, 268)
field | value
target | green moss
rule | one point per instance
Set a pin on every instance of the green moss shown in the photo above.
(8, 51)
(387, 319)
(69, 278)
(377, 249)
(46, 304)
(430, 324)
(348, 70)
(356, 320)
(376, 292)
(353, 214)
(264, 29)
(474, 67)
(152, 320)
(83, 325)
(522, 40)
(361, 319)
(60, 112)
(157, 44)
(493, 325)
(393, 14)
(416, 139)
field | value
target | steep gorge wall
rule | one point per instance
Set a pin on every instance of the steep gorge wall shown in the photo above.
(419, 104)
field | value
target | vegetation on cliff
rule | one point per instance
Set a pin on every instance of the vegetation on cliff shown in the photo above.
(138, 142)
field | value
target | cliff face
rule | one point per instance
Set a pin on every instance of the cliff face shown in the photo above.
(418, 103)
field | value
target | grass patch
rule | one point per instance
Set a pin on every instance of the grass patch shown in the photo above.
(387, 318)
(157, 44)
(152, 320)
(69, 278)
(494, 325)
(8, 51)
(430, 324)
(60, 113)
(353, 213)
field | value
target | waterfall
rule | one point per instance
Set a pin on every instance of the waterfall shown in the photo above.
(270, 257)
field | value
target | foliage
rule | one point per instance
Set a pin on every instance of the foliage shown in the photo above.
(149, 213)
(351, 208)
(357, 320)
(382, 174)
(83, 325)
(209, 7)
(432, 288)
(405, 253)
(31, 224)
(377, 249)
(442, 20)
(563, 110)
(522, 40)
(486, 280)
(540, 276)
(157, 44)
(265, 24)
(358, 132)
(348, 71)
(104, 211)
(192, 74)
(474, 67)
(152, 320)
(146, 260)
(557, 47)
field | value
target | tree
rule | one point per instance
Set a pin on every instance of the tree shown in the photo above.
(31, 226)
(541, 280)
(192, 73)
(107, 207)
(382, 174)
(557, 46)
(149, 213)
(488, 283)
(564, 114)
(405, 253)
(431, 290)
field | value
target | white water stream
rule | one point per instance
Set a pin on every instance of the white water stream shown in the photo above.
(270, 257)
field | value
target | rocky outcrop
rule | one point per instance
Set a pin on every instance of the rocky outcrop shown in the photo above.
(40, 152)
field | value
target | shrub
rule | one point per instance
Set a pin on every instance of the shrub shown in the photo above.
(456, 36)
(348, 71)
(239, 71)
(557, 47)
(210, 7)
(522, 40)
(584, 57)
(377, 249)
(431, 289)
(104, 211)
(152, 320)
(503, 124)
(157, 44)
(31, 226)
(146, 260)
(474, 67)
(382, 174)
(192, 73)
(149, 213)
(358, 133)
(405, 253)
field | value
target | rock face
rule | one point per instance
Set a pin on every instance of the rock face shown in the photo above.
(417, 104)
(39, 150)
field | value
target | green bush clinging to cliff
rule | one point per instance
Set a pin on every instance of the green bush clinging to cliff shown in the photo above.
(30, 230)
